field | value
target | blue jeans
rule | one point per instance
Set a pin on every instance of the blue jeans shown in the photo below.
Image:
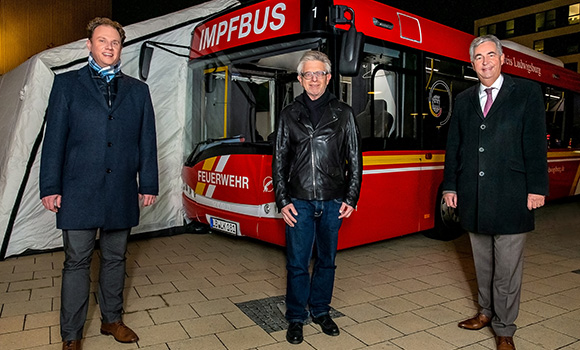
(317, 227)
(78, 249)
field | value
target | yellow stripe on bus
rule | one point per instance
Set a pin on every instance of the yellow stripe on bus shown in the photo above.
(208, 164)
(402, 159)
(199, 188)
(226, 103)
(214, 70)
(564, 154)
(575, 183)
(436, 158)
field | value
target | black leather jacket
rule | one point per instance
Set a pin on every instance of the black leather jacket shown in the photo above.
(321, 163)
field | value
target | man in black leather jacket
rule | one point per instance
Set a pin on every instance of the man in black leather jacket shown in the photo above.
(317, 172)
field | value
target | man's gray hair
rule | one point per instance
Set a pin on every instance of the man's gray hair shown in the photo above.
(482, 39)
(314, 56)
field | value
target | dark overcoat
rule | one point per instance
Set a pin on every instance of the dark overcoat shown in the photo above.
(493, 163)
(98, 157)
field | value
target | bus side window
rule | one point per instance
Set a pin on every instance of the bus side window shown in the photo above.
(445, 79)
(242, 111)
(250, 106)
(555, 118)
(383, 121)
(387, 82)
(377, 122)
(213, 117)
(572, 108)
(562, 121)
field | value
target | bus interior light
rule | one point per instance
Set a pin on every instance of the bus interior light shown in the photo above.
(467, 77)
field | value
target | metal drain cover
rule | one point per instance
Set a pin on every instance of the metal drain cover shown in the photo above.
(268, 313)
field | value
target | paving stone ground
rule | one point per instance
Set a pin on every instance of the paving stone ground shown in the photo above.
(215, 292)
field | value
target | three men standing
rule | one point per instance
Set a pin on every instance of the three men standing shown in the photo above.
(99, 160)
(496, 174)
(317, 173)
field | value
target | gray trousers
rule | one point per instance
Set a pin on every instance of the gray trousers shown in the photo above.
(78, 248)
(499, 265)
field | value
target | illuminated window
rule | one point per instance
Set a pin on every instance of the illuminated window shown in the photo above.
(488, 29)
(540, 21)
(545, 20)
(539, 45)
(574, 14)
(509, 28)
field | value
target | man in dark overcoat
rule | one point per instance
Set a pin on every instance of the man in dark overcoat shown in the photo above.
(496, 175)
(99, 161)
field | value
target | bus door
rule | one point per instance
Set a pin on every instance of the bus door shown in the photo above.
(443, 80)
(383, 98)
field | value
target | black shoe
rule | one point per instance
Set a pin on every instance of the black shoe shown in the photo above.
(294, 333)
(327, 324)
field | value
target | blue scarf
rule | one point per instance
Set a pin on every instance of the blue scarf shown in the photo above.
(108, 72)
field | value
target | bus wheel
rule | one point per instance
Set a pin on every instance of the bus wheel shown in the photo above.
(447, 225)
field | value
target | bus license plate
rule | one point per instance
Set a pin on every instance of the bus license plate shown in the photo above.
(224, 226)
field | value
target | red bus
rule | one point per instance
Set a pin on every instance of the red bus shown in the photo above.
(399, 72)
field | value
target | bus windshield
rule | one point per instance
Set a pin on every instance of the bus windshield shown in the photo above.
(238, 97)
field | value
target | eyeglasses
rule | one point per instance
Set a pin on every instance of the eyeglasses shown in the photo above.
(309, 75)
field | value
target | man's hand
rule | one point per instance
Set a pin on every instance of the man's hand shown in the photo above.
(52, 202)
(450, 199)
(345, 211)
(148, 199)
(289, 213)
(535, 201)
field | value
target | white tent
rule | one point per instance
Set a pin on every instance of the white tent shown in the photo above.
(24, 223)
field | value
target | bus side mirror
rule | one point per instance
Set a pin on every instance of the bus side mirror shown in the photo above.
(351, 52)
(145, 61)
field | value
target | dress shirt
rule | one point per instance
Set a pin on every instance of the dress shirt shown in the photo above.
(495, 86)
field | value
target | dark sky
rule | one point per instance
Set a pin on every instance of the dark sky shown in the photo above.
(458, 14)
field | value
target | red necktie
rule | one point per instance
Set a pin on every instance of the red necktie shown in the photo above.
(488, 102)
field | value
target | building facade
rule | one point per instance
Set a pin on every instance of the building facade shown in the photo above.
(552, 27)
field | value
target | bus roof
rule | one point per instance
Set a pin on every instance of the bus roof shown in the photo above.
(270, 19)
(388, 23)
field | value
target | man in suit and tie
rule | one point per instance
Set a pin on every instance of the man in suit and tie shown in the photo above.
(496, 175)
(99, 160)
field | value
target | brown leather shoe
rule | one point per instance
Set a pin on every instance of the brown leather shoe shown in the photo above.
(475, 323)
(505, 343)
(71, 345)
(122, 333)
